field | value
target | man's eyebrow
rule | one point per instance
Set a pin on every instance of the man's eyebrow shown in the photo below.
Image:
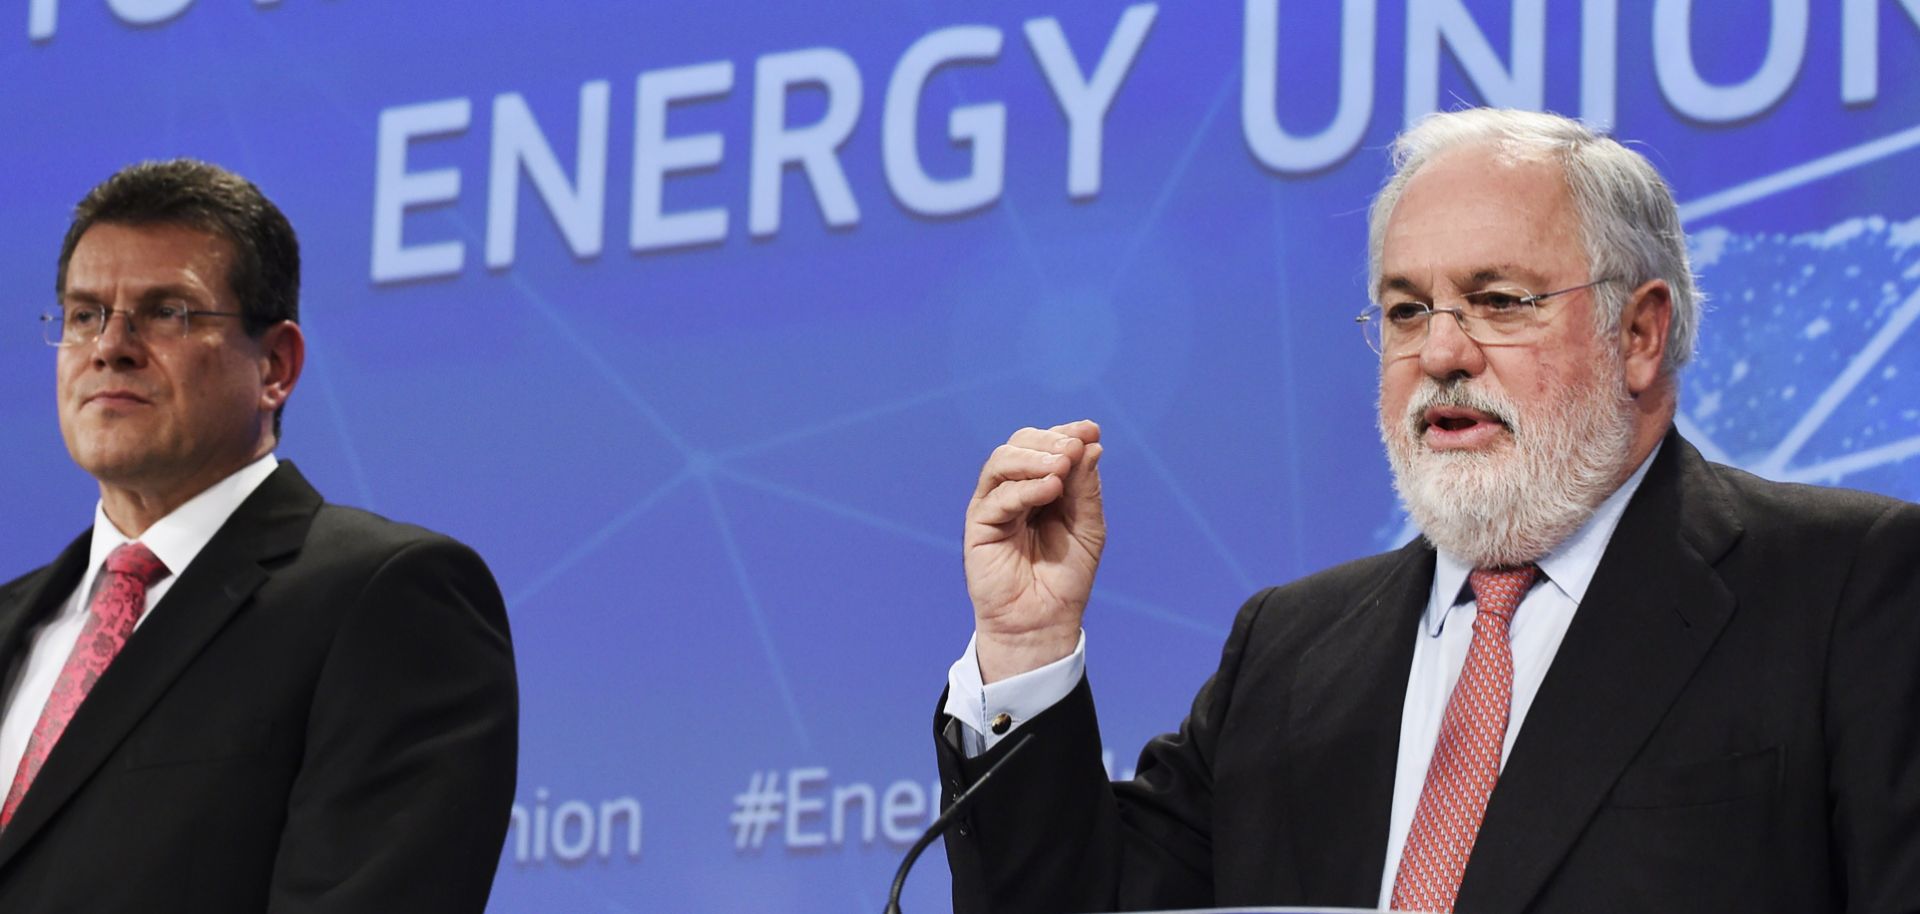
(1398, 284)
(153, 293)
(171, 290)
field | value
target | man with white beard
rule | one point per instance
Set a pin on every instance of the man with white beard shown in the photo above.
(1610, 676)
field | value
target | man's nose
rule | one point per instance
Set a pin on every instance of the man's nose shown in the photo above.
(118, 342)
(1447, 351)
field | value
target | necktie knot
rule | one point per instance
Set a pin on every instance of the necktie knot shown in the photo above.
(1499, 590)
(136, 561)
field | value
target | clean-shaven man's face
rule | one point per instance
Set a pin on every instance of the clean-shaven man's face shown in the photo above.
(158, 414)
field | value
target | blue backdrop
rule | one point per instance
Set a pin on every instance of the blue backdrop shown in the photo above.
(698, 319)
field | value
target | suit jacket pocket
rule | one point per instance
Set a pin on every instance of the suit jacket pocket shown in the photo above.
(1698, 783)
(243, 739)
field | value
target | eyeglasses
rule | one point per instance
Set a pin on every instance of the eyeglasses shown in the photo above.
(1504, 316)
(155, 323)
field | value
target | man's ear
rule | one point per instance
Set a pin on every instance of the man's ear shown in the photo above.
(1643, 334)
(283, 353)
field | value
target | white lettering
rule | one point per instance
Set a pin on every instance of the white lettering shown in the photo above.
(1260, 62)
(844, 796)
(1691, 94)
(982, 128)
(1430, 22)
(1599, 63)
(395, 190)
(540, 824)
(577, 208)
(813, 147)
(1860, 48)
(571, 832)
(901, 809)
(1084, 101)
(43, 17)
(610, 813)
(655, 155)
(799, 807)
(147, 12)
(572, 850)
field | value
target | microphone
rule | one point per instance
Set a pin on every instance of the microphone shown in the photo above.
(939, 825)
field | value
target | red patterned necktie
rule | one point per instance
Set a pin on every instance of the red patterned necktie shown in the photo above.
(1466, 759)
(117, 604)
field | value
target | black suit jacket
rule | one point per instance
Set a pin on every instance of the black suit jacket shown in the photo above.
(1732, 723)
(319, 716)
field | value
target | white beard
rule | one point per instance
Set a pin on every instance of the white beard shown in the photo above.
(1516, 503)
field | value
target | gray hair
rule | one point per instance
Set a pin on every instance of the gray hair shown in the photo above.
(1628, 221)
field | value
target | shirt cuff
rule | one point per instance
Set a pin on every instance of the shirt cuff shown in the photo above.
(990, 713)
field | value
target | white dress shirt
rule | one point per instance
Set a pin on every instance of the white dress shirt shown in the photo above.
(1441, 651)
(175, 540)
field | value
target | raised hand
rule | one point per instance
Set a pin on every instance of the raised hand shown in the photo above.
(1034, 534)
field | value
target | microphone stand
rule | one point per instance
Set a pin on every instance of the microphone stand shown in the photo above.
(940, 824)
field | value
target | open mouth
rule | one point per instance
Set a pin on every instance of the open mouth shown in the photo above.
(1458, 425)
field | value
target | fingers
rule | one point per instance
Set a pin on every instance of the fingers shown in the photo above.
(1013, 499)
(1060, 439)
(1034, 468)
(1083, 481)
(1012, 462)
(1086, 430)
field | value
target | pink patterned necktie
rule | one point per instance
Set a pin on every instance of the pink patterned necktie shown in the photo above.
(1466, 759)
(116, 606)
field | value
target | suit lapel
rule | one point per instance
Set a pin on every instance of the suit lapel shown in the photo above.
(36, 596)
(271, 523)
(1344, 735)
(1654, 609)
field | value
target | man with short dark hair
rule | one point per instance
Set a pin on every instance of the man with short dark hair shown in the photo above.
(1610, 676)
(229, 695)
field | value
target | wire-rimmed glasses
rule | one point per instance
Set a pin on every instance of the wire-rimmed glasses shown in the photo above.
(78, 325)
(1500, 316)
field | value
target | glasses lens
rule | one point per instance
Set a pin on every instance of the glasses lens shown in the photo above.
(1369, 321)
(1501, 315)
(53, 326)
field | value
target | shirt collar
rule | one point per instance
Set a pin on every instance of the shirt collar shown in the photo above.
(1569, 567)
(178, 537)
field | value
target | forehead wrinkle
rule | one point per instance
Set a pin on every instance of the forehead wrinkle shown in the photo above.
(154, 293)
(1478, 278)
(1486, 276)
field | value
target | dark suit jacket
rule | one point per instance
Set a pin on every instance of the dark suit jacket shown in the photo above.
(1731, 724)
(319, 716)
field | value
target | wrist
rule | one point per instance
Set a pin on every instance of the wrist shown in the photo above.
(1004, 656)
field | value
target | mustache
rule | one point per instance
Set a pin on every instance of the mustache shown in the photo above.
(1458, 394)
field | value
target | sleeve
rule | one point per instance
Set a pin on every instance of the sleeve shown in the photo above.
(407, 780)
(1873, 719)
(1054, 834)
(974, 705)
